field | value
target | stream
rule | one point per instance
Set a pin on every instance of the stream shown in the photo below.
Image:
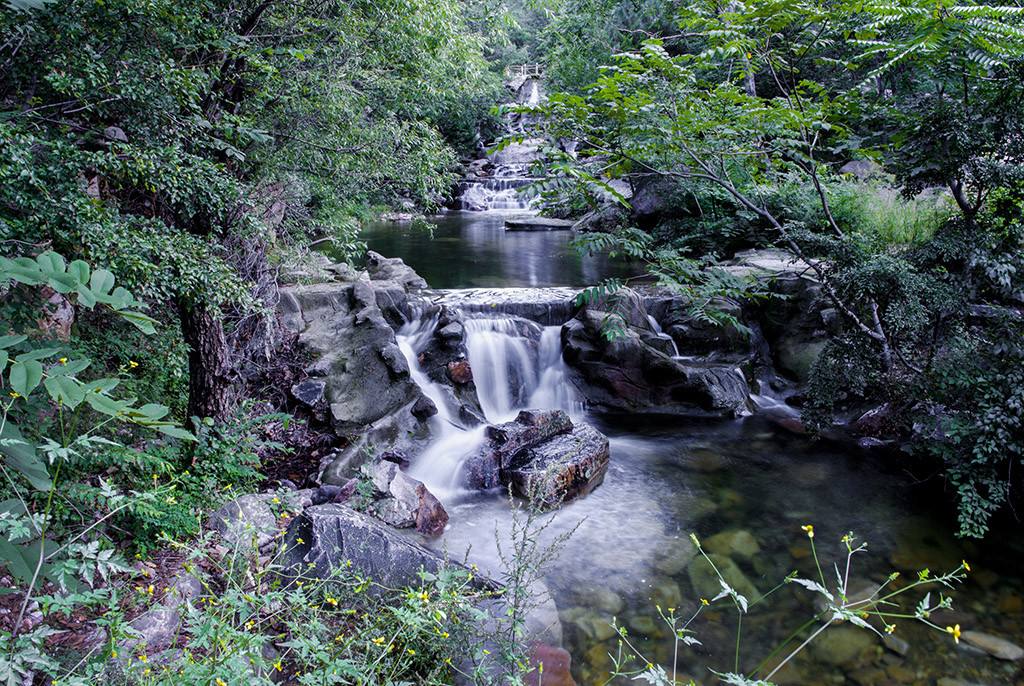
(745, 487)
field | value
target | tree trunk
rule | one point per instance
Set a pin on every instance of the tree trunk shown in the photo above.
(211, 391)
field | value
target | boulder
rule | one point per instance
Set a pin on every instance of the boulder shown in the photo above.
(310, 392)
(327, 537)
(607, 219)
(393, 269)
(542, 455)
(159, 626)
(353, 351)
(484, 468)
(797, 325)
(564, 467)
(627, 375)
(404, 502)
(253, 519)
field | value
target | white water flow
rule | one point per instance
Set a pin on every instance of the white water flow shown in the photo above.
(661, 334)
(516, 364)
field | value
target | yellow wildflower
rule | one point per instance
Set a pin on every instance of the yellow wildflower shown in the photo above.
(809, 528)
(954, 631)
(332, 601)
(889, 628)
(220, 682)
(410, 651)
(63, 360)
(14, 394)
(424, 596)
(132, 364)
(967, 567)
(705, 601)
(142, 657)
(277, 665)
(379, 640)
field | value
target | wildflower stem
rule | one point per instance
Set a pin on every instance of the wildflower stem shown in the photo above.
(798, 649)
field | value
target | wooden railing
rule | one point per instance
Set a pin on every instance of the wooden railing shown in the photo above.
(528, 71)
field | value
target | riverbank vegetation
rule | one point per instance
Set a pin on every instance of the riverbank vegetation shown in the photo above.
(748, 125)
(166, 167)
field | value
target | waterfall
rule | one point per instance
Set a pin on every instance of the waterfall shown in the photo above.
(499, 193)
(495, 182)
(554, 390)
(516, 364)
(656, 327)
(504, 367)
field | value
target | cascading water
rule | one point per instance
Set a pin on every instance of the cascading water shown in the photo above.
(656, 327)
(497, 184)
(516, 364)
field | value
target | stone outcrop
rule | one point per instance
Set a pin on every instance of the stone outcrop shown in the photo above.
(798, 324)
(627, 374)
(358, 379)
(353, 351)
(543, 456)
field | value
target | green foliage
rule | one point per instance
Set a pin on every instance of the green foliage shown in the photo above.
(739, 117)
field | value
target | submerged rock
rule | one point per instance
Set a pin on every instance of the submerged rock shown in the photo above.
(997, 647)
(737, 544)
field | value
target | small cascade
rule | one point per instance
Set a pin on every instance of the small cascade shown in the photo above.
(498, 193)
(516, 364)
(554, 390)
(656, 327)
(497, 181)
(412, 338)
(504, 366)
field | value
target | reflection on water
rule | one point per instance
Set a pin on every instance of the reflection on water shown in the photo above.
(755, 488)
(472, 249)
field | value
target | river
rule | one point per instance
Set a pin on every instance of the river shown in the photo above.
(745, 487)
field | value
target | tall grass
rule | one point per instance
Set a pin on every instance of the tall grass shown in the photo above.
(881, 216)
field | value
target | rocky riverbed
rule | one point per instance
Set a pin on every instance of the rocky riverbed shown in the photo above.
(440, 401)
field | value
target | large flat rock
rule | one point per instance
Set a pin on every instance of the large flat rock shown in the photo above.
(538, 224)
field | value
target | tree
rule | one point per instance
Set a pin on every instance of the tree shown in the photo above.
(176, 144)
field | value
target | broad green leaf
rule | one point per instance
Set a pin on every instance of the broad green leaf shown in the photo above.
(37, 354)
(65, 390)
(51, 263)
(8, 341)
(175, 432)
(101, 282)
(22, 457)
(80, 270)
(85, 297)
(107, 405)
(142, 322)
(25, 376)
(23, 270)
(3, 360)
